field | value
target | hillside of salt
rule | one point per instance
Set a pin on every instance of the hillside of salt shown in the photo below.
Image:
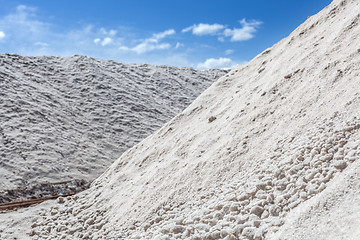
(69, 118)
(269, 151)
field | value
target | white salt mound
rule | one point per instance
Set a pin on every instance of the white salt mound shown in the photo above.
(69, 118)
(269, 151)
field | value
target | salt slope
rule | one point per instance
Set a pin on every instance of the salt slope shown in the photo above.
(69, 118)
(255, 147)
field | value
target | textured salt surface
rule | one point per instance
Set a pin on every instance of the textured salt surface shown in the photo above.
(69, 118)
(270, 151)
(250, 206)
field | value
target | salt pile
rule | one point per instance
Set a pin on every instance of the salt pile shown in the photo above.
(68, 118)
(270, 151)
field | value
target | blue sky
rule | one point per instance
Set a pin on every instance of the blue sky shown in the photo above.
(196, 33)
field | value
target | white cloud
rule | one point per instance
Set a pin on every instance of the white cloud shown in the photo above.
(109, 39)
(23, 23)
(151, 44)
(21, 8)
(110, 33)
(178, 45)
(103, 31)
(146, 47)
(224, 63)
(41, 44)
(159, 36)
(244, 33)
(2, 35)
(204, 29)
(106, 41)
(187, 29)
(229, 51)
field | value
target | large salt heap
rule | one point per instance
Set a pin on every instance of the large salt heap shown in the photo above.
(267, 145)
(65, 118)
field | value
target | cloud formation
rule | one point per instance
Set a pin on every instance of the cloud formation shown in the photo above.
(159, 36)
(111, 32)
(229, 51)
(244, 33)
(151, 44)
(178, 45)
(24, 31)
(204, 29)
(108, 37)
(223, 63)
(22, 23)
(106, 41)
